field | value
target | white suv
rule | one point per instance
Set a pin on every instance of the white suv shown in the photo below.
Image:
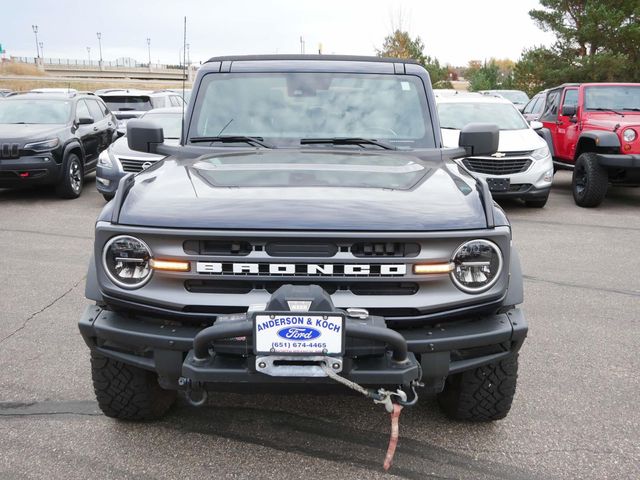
(522, 167)
(130, 103)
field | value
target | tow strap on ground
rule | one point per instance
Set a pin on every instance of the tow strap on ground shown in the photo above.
(382, 397)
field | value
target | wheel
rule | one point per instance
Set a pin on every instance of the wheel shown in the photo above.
(70, 186)
(536, 202)
(483, 394)
(590, 181)
(128, 393)
(108, 196)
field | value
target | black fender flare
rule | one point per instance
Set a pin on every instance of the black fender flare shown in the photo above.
(72, 145)
(515, 292)
(602, 139)
(545, 133)
(92, 288)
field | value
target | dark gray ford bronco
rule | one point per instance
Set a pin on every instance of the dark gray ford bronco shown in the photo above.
(309, 231)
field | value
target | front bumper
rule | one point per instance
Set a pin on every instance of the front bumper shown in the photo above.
(31, 170)
(168, 349)
(612, 160)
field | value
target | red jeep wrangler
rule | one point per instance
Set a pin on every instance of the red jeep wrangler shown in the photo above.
(594, 130)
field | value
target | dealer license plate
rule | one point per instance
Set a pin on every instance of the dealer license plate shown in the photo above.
(299, 334)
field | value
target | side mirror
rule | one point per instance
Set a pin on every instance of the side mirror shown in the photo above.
(536, 125)
(85, 121)
(480, 139)
(144, 136)
(568, 110)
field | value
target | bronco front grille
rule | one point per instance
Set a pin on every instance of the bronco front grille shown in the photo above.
(357, 288)
(505, 166)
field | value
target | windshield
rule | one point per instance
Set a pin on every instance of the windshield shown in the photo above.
(123, 104)
(612, 98)
(286, 107)
(457, 115)
(514, 96)
(35, 111)
(170, 122)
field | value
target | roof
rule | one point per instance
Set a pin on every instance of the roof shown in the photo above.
(472, 99)
(333, 58)
(42, 96)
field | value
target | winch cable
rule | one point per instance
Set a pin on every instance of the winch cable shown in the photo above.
(381, 396)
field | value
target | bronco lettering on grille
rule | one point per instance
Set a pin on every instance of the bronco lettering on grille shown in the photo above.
(298, 269)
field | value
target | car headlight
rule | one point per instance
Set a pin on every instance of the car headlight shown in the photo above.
(629, 135)
(43, 145)
(127, 261)
(540, 153)
(104, 160)
(477, 265)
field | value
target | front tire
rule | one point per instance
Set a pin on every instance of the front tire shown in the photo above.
(483, 394)
(128, 393)
(590, 181)
(108, 196)
(72, 181)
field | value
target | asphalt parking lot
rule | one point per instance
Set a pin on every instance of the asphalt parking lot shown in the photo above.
(575, 414)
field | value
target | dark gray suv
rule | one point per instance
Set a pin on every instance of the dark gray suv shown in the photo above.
(310, 229)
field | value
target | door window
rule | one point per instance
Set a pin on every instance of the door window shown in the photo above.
(553, 103)
(539, 106)
(82, 111)
(96, 111)
(571, 97)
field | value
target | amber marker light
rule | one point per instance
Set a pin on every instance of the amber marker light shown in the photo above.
(426, 268)
(170, 265)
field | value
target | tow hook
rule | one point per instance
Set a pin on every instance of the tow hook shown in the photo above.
(195, 394)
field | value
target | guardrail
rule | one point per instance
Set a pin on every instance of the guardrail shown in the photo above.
(126, 63)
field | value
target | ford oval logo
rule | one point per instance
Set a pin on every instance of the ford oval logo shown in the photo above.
(298, 333)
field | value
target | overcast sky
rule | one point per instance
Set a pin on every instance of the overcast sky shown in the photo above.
(453, 31)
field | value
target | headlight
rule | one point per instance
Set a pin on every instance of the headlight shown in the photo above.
(43, 146)
(104, 160)
(629, 135)
(540, 153)
(477, 265)
(126, 261)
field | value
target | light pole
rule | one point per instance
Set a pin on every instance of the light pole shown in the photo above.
(42, 50)
(149, 48)
(35, 31)
(99, 35)
(89, 53)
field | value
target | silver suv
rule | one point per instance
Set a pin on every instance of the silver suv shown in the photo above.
(129, 103)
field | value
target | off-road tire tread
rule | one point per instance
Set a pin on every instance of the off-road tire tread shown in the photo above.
(483, 394)
(128, 393)
(597, 185)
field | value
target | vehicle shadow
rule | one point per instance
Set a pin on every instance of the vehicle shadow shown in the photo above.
(340, 428)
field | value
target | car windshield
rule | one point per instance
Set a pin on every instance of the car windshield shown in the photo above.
(456, 115)
(170, 122)
(514, 96)
(625, 97)
(124, 103)
(35, 111)
(284, 108)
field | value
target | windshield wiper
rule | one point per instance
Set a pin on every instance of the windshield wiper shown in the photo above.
(259, 141)
(632, 109)
(347, 141)
(606, 110)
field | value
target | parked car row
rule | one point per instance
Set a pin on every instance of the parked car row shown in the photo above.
(57, 136)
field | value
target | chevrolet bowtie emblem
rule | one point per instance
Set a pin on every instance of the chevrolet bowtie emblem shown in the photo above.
(499, 155)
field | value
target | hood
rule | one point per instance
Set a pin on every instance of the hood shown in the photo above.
(27, 132)
(120, 148)
(509, 140)
(612, 121)
(305, 190)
